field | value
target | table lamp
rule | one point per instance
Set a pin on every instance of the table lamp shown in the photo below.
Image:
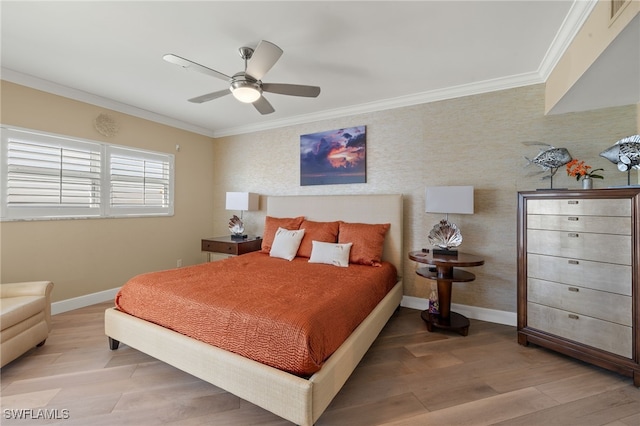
(243, 201)
(447, 199)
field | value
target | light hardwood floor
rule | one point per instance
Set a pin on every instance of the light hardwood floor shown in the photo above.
(408, 377)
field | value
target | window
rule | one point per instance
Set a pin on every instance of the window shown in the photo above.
(45, 176)
(139, 182)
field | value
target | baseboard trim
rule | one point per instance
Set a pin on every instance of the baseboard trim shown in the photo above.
(83, 301)
(475, 312)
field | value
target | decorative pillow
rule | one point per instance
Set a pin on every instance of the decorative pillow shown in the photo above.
(271, 225)
(330, 253)
(286, 242)
(317, 231)
(367, 239)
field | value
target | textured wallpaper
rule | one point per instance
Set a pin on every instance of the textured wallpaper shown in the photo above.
(475, 140)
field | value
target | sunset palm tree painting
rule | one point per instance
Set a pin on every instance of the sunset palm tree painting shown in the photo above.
(333, 157)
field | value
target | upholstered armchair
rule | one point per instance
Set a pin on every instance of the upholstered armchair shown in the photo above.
(25, 317)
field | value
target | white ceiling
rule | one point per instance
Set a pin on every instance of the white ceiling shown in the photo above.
(365, 56)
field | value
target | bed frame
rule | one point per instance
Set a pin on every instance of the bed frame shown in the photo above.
(296, 399)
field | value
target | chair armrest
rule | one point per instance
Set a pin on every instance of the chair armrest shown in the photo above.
(32, 288)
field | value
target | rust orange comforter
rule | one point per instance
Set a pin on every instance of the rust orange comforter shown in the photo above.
(289, 315)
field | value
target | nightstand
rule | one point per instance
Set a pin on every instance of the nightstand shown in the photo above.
(444, 273)
(223, 247)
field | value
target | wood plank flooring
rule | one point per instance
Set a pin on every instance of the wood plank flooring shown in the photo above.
(408, 377)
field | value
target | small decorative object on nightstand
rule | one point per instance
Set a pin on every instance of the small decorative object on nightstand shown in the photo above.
(228, 246)
(243, 201)
(447, 199)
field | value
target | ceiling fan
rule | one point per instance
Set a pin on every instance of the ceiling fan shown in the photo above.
(247, 86)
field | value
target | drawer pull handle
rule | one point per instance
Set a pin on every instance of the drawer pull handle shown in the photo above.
(572, 316)
(574, 262)
(572, 201)
(573, 235)
(573, 218)
(574, 289)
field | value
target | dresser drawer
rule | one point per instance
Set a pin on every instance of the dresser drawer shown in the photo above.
(596, 224)
(580, 245)
(594, 303)
(584, 273)
(600, 334)
(581, 207)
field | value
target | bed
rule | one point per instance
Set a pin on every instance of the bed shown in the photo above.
(301, 400)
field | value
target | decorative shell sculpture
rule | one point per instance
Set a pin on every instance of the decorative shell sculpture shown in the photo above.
(445, 235)
(236, 227)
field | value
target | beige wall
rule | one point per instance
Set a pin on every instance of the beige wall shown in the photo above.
(474, 140)
(91, 255)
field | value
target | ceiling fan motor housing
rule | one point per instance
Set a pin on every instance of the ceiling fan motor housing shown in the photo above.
(245, 89)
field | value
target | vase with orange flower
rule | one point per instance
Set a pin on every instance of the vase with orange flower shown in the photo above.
(580, 170)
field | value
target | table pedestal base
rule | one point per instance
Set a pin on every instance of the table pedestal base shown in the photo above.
(457, 322)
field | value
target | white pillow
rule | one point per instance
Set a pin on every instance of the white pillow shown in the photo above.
(285, 243)
(330, 253)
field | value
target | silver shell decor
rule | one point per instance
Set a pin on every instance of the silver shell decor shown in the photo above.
(445, 235)
(236, 226)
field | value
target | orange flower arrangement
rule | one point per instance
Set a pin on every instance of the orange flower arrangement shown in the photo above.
(579, 169)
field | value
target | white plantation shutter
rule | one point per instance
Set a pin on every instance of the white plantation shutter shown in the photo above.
(50, 177)
(46, 176)
(140, 182)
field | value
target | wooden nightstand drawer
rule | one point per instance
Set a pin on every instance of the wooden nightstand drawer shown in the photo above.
(219, 247)
(227, 245)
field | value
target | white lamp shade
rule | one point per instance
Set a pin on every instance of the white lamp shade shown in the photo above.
(449, 199)
(243, 201)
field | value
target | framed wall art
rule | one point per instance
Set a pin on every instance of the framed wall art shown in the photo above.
(333, 157)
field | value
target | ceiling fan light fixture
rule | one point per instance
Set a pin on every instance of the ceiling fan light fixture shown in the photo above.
(246, 91)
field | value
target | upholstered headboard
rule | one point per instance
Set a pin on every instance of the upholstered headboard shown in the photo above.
(366, 208)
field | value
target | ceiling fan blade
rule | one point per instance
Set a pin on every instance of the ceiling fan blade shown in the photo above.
(185, 63)
(263, 106)
(264, 57)
(210, 96)
(291, 89)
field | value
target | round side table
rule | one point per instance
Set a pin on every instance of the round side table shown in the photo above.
(443, 271)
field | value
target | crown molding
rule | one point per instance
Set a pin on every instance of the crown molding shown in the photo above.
(79, 95)
(392, 103)
(574, 20)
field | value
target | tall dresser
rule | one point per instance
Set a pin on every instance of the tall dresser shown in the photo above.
(578, 278)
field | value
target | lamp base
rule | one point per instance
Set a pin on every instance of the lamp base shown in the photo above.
(445, 252)
(238, 237)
